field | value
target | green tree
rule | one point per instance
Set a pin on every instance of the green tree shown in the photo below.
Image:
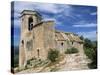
(90, 49)
(87, 43)
(53, 54)
(81, 37)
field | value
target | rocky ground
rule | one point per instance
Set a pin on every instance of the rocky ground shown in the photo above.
(75, 62)
(69, 62)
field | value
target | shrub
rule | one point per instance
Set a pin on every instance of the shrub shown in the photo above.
(92, 54)
(89, 52)
(90, 49)
(71, 50)
(53, 54)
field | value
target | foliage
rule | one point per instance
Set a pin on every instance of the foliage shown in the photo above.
(34, 63)
(53, 54)
(32, 59)
(71, 50)
(81, 37)
(87, 43)
(16, 58)
(89, 52)
(90, 49)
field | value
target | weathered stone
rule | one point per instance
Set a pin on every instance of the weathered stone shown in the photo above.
(38, 37)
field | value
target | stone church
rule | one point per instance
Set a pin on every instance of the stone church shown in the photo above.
(38, 37)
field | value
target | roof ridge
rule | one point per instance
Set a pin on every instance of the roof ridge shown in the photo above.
(64, 36)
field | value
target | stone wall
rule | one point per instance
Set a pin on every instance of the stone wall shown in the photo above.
(49, 36)
(26, 36)
(61, 46)
(38, 42)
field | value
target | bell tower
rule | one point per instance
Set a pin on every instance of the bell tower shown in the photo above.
(28, 20)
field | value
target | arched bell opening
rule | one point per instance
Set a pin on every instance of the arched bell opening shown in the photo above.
(30, 23)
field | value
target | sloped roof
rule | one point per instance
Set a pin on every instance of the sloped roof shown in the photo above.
(75, 38)
(67, 36)
(59, 37)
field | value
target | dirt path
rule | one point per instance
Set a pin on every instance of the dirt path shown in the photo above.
(74, 62)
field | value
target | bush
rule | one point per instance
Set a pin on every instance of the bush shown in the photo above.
(90, 49)
(53, 54)
(91, 54)
(71, 50)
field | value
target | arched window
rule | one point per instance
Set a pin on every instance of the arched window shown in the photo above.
(30, 23)
(22, 42)
(62, 44)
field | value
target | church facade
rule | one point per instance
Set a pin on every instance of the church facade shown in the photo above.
(38, 37)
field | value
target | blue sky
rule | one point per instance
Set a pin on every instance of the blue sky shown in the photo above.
(78, 19)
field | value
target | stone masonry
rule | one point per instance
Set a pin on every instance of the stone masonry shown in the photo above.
(38, 37)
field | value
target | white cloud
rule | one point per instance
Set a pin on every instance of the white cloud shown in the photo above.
(85, 25)
(90, 35)
(58, 23)
(43, 7)
(48, 19)
(94, 13)
(20, 6)
(51, 8)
